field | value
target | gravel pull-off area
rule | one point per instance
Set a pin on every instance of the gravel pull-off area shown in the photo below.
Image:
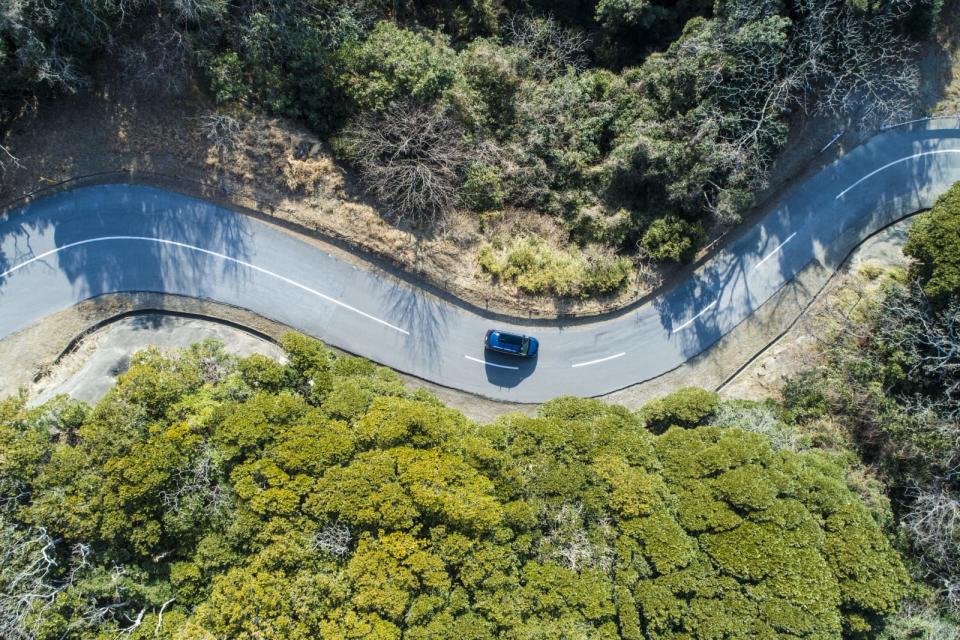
(89, 371)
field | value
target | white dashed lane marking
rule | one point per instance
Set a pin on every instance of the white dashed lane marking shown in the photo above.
(691, 320)
(775, 251)
(586, 364)
(492, 364)
(895, 162)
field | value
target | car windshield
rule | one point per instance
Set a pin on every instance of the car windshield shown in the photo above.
(525, 346)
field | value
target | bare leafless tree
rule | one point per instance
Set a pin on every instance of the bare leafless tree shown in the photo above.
(568, 539)
(198, 486)
(7, 161)
(158, 62)
(933, 525)
(550, 47)
(857, 65)
(411, 158)
(839, 61)
(33, 573)
(222, 130)
(334, 538)
(928, 337)
(757, 418)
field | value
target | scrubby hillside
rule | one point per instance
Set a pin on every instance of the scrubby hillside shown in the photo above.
(637, 127)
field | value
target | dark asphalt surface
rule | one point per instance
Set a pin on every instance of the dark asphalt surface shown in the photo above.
(83, 243)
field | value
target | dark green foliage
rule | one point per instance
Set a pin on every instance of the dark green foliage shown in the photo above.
(392, 64)
(483, 187)
(934, 243)
(672, 238)
(226, 79)
(249, 506)
(687, 407)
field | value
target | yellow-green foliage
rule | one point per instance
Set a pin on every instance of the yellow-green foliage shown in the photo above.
(319, 499)
(686, 407)
(536, 268)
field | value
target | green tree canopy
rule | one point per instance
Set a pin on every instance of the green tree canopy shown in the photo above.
(211, 497)
(934, 244)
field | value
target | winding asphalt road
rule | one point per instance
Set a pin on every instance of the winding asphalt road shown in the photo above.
(79, 244)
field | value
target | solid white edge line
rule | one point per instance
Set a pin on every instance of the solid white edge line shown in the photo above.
(775, 251)
(492, 364)
(890, 164)
(584, 364)
(691, 320)
(211, 253)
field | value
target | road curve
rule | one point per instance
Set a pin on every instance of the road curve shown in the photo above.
(79, 244)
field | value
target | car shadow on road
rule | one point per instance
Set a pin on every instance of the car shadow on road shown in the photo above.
(506, 371)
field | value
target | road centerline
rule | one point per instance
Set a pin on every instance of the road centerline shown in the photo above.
(691, 320)
(895, 162)
(492, 364)
(598, 361)
(222, 256)
(775, 251)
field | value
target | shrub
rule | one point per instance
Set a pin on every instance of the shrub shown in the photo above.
(261, 372)
(536, 268)
(934, 243)
(393, 63)
(686, 408)
(483, 187)
(672, 238)
(226, 79)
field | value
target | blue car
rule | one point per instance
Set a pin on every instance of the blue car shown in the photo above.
(511, 343)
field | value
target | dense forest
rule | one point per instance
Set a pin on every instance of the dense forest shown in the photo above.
(208, 497)
(640, 125)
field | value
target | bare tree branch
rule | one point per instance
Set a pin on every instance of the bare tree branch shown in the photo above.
(411, 158)
(551, 48)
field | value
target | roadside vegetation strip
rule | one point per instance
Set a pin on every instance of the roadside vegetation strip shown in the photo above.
(215, 254)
